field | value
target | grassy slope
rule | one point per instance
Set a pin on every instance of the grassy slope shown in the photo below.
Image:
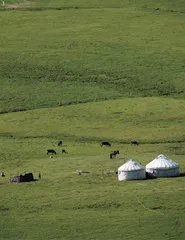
(92, 207)
(89, 54)
(56, 58)
(170, 5)
(66, 206)
(116, 120)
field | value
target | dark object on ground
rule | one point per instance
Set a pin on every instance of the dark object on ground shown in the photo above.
(39, 176)
(133, 142)
(2, 174)
(150, 176)
(28, 177)
(105, 144)
(80, 172)
(17, 179)
(59, 143)
(51, 151)
(113, 154)
(64, 151)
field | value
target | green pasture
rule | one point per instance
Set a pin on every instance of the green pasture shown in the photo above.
(64, 205)
(164, 5)
(149, 120)
(55, 58)
(83, 72)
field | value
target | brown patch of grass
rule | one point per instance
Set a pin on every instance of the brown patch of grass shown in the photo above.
(18, 5)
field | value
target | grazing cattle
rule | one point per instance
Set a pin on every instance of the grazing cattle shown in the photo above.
(51, 151)
(59, 143)
(2, 174)
(105, 144)
(133, 142)
(64, 151)
(113, 154)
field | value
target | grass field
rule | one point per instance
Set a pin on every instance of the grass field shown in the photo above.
(63, 205)
(83, 72)
(89, 54)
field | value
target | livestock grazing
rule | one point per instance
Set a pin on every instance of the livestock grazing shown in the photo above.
(113, 154)
(64, 151)
(105, 144)
(133, 142)
(59, 143)
(2, 174)
(51, 151)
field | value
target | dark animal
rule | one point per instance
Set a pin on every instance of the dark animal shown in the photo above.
(105, 144)
(28, 177)
(39, 176)
(2, 174)
(51, 151)
(113, 154)
(64, 151)
(59, 143)
(133, 142)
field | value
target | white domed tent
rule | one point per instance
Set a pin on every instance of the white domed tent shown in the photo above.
(161, 166)
(131, 170)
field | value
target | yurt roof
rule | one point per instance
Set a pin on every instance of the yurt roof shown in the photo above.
(162, 162)
(131, 165)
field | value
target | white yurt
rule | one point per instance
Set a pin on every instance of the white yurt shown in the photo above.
(162, 166)
(131, 170)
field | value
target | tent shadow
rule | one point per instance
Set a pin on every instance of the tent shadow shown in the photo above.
(181, 175)
(150, 176)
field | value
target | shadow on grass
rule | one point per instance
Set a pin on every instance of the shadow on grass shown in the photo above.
(150, 177)
(182, 174)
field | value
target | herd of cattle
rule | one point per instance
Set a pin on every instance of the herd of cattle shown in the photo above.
(112, 153)
(29, 176)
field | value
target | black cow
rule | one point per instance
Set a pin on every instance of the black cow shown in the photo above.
(105, 144)
(59, 143)
(133, 142)
(114, 153)
(64, 151)
(51, 151)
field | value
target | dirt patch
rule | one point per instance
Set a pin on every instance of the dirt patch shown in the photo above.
(17, 5)
(3, 183)
(80, 172)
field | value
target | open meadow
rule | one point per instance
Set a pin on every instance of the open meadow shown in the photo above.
(85, 72)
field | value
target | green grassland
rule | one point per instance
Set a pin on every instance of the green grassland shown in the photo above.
(64, 205)
(82, 55)
(83, 72)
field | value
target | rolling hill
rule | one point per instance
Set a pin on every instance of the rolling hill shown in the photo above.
(83, 72)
